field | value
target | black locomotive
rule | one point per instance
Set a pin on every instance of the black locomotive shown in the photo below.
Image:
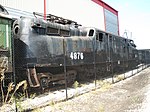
(43, 48)
(53, 51)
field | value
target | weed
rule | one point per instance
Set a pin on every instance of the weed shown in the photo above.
(135, 99)
(3, 68)
(100, 82)
(10, 88)
(1, 81)
(52, 103)
(101, 108)
(120, 77)
(17, 87)
(32, 95)
(105, 86)
(60, 108)
(76, 84)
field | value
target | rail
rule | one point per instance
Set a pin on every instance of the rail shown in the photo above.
(56, 19)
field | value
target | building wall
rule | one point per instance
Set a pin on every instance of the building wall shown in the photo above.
(90, 13)
(17, 8)
(111, 22)
(85, 12)
(110, 17)
(24, 5)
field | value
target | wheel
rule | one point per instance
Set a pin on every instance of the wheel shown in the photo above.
(44, 83)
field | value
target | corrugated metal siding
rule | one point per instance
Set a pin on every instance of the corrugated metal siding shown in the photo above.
(111, 22)
(24, 5)
(15, 13)
(17, 8)
(12, 3)
(85, 12)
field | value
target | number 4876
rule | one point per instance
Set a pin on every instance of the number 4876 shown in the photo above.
(76, 55)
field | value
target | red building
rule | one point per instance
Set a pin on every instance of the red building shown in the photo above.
(111, 21)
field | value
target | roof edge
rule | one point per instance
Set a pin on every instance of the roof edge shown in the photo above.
(106, 6)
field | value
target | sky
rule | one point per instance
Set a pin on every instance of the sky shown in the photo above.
(134, 17)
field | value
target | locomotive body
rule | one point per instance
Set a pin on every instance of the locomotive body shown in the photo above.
(144, 56)
(43, 48)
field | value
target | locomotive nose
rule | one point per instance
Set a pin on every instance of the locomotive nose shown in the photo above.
(21, 27)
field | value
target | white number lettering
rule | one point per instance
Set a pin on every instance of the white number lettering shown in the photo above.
(81, 55)
(76, 55)
(71, 55)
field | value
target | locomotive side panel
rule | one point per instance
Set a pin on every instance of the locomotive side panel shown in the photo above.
(6, 65)
(5, 41)
(79, 50)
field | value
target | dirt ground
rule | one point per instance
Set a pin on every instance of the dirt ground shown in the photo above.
(130, 95)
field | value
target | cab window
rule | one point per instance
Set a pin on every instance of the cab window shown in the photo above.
(99, 37)
(91, 32)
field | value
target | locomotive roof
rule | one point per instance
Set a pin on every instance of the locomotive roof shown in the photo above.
(57, 19)
(40, 22)
(112, 34)
(45, 24)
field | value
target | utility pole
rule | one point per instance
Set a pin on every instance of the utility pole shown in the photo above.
(44, 9)
(65, 68)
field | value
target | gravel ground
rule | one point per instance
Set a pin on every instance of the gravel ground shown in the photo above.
(130, 95)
